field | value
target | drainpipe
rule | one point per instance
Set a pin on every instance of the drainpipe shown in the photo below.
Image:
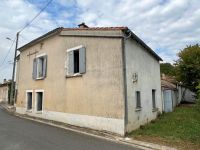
(124, 38)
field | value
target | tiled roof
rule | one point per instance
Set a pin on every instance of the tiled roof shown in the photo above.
(168, 85)
(98, 28)
(122, 28)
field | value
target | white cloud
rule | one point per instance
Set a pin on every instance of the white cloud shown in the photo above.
(169, 25)
(14, 15)
(165, 25)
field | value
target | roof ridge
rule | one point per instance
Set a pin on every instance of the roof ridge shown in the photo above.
(99, 28)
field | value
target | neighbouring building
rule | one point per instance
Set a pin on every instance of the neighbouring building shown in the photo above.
(104, 78)
(4, 91)
(174, 93)
(170, 95)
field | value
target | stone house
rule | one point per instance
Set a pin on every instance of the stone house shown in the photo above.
(4, 91)
(104, 78)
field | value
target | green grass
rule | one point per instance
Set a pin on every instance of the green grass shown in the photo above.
(182, 124)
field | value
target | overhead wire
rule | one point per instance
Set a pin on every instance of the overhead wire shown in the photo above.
(29, 23)
(7, 53)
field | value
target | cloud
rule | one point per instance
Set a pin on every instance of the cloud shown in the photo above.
(14, 15)
(166, 26)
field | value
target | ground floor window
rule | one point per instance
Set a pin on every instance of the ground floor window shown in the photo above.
(154, 98)
(29, 99)
(138, 99)
(39, 101)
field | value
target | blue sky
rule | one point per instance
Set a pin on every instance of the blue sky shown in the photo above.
(166, 26)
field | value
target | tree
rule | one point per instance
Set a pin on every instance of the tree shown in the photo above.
(167, 69)
(188, 66)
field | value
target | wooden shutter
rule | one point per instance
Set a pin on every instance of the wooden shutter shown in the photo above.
(44, 71)
(82, 60)
(70, 63)
(34, 73)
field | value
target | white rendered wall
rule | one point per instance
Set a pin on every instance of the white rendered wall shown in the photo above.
(139, 61)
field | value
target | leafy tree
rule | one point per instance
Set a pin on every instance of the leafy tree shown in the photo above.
(167, 69)
(188, 66)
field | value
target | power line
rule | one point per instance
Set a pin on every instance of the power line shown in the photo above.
(36, 15)
(28, 24)
(7, 53)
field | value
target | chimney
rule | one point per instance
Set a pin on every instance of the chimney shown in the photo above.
(4, 80)
(83, 25)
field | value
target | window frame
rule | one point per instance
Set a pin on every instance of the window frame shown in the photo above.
(138, 107)
(42, 64)
(81, 68)
(44, 69)
(29, 91)
(153, 94)
(36, 101)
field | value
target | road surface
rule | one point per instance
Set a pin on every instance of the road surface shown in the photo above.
(22, 134)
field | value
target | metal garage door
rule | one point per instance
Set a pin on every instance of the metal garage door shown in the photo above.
(167, 101)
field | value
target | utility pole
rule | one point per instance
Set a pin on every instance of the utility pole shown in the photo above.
(13, 73)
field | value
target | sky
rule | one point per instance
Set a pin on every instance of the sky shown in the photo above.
(167, 26)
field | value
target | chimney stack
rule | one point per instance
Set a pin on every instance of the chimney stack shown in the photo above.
(83, 25)
(4, 80)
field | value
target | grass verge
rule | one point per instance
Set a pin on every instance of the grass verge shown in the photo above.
(180, 129)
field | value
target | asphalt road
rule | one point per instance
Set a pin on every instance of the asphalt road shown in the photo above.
(22, 134)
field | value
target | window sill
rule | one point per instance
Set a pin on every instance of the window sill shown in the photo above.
(138, 109)
(38, 112)
(29, 111)
(74, 75)
(154, 109)
(41, 78)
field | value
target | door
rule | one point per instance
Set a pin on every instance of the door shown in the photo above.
(167, 101)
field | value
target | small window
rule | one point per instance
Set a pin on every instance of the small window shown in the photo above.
(29, 100)
(154, 98)
(39, 67)
(138, 99)
(75, 61)
(39, 101)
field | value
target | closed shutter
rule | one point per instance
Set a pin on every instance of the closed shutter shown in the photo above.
(82, 60)
(34, 73)
(44, 73)
(70, 63)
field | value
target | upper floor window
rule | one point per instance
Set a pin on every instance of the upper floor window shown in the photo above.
(39, 67)
(75, 61)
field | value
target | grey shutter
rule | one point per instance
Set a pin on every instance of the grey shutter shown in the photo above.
(82, 60)
(44, 71)
(70, 63)
(34, 73)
